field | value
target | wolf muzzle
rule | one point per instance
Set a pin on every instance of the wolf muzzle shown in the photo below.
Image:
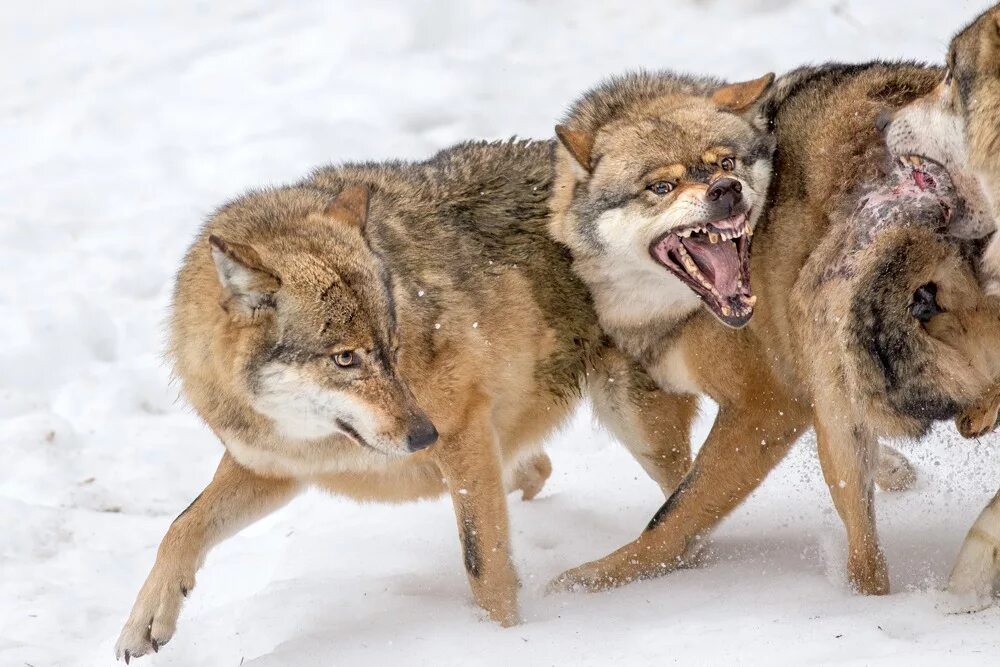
(421, 434)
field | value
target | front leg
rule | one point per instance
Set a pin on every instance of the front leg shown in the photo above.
(470, 463)
(745, 443)
(847, 455)
(235, 498)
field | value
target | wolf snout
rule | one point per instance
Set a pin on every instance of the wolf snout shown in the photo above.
(725, 192)
(421, 434)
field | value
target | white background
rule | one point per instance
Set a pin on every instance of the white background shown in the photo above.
(122, 125)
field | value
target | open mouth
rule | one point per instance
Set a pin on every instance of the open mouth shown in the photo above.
(713, 259)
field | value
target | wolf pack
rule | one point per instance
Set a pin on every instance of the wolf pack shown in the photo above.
(813, 250)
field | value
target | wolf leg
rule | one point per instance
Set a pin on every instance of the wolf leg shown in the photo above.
(981, 417)
(235, 498)
(745, 443)
(655, 426)
(894, 472)
(978, 564)
(531, 475)
(470, 463)
(846, 453)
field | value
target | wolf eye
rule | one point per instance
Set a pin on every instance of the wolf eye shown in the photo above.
(346, 359)
(728, 164)
(661, 187)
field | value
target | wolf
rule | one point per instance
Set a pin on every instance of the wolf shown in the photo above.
(389, 332)
(903, 331)
(959, 124)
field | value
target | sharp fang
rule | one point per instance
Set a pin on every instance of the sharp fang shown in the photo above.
(695, 273)
(713, 237)
(726, 310)
(751, 301)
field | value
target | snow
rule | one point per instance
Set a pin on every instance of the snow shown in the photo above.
(123, 124)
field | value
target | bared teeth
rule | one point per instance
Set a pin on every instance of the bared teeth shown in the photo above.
(727, 311)
(695, 273)
(752, 300)
(713, 237)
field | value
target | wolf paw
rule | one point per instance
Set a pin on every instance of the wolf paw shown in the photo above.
(895, 472)
(531, 475)
(868, 573)
(154, 616)
(587, 578)
(975, 422)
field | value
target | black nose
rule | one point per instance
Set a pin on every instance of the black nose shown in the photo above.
(422, 435)
(725, 191)
(924, 305)
(882, 121)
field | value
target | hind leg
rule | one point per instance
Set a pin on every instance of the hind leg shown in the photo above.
(655, 426)
(846, 453)
(531, 475)
(894, 472)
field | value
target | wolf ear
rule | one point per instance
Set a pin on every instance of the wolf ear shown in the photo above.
(739, 96)
(249, 285)
(350, 206)
(579, 143)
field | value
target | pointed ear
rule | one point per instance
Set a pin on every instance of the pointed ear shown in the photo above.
(350, 206)
(739, 96)
(249, 285)
(578, 142)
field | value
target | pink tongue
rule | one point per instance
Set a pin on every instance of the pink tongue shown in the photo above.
(720, 262)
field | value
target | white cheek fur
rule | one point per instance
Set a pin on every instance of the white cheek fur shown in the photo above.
(303, 410)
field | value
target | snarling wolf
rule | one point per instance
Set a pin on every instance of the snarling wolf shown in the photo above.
(959, 124)
(390, 332)
(866, 325)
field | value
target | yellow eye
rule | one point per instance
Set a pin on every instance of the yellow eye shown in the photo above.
(661, 187)
(728, 164)
(345, 359)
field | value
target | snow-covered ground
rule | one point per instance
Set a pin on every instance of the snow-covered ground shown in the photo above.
(123, 124)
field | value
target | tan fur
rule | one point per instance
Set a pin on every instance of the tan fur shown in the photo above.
(971, 93)
(319, 328)
(809, 355)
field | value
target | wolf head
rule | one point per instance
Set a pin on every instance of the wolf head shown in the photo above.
(920, 334)
(931, 127)
(661, 184)
(310, 311)
(973, 84)
(958, 124)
